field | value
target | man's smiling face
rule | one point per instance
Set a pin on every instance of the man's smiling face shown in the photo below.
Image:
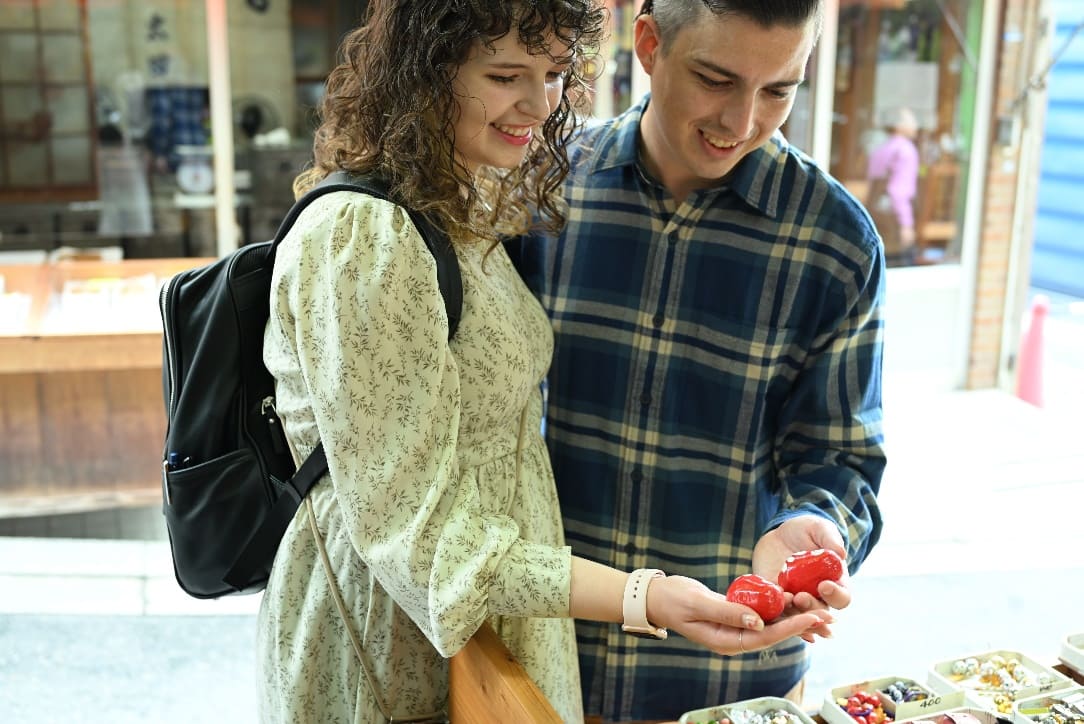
(719, 90)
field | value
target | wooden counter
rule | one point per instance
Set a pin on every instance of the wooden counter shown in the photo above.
(488, 686)
(81, 413)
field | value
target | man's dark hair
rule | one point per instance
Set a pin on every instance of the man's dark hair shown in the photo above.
(673, 15)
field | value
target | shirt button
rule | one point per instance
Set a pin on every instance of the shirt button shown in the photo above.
(630, 549)
(657, 320)
(645, 399)
(636, 475)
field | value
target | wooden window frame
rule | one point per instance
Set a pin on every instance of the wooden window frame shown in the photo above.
(12, 192)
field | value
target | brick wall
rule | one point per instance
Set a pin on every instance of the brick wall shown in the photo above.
(1008, 167)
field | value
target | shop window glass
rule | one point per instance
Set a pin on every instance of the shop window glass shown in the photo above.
(21, 104)
(904, 110)
(45, 141)
(62, 58)
(68, 107)
(58, 15)
(105, 131)
(16, 14)
(72, 159)
(18, 57)
(30, 161)
(105, 136)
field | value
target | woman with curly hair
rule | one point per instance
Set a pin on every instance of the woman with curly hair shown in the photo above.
(438, 513)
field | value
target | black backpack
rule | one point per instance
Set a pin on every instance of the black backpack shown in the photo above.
(229, 483)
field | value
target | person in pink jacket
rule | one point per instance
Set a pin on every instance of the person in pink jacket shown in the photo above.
(893, 173)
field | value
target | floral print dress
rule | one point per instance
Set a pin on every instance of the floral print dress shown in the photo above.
(439, 512)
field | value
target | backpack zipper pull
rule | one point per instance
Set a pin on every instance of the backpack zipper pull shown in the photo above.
(271, 415)
(166, 467)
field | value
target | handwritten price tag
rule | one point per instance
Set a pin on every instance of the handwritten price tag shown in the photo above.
(924, 707)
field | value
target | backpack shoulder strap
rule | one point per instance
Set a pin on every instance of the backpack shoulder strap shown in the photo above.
(448, 278)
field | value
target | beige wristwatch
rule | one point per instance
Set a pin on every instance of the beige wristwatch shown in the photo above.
(634, 606)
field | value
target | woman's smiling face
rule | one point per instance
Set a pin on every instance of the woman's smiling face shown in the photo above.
(505, 94)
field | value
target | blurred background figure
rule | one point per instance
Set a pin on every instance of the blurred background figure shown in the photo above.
(893, 175)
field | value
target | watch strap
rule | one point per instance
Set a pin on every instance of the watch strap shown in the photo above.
(634, 605)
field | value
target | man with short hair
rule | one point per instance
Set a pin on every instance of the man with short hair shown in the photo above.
(715, 395)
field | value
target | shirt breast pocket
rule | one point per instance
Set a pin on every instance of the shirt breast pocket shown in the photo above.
(729, 380)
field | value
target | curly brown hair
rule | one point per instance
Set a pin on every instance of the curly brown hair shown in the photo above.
(389, 108)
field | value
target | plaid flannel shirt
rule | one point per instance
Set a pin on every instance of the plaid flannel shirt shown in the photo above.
(716, 371)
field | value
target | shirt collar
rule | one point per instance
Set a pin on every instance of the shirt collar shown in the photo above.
(758, 178)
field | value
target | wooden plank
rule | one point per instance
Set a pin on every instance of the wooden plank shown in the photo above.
(488, 686)
(78, 352)
(1070, 672)
(32, 506)
(76, 441)
(22, 444)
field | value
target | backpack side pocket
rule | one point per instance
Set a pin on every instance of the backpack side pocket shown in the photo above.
(213, 507)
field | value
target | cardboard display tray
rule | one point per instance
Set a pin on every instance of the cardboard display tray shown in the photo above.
(1033, 709)
(739, 711)
(1072, 652)
(1039, 679)
(833, 713)
(960, 715)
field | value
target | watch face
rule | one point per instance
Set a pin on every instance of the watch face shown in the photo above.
(195, 177)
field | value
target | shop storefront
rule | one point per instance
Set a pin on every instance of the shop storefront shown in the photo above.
(910, 91)
(110, 118)
(166, 129)
(136, 139)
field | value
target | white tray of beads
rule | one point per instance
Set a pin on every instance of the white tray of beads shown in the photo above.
(891, 697)
(993, 680)
(764, 710)
(1072, 652)
(963, 715)
(1058, 707)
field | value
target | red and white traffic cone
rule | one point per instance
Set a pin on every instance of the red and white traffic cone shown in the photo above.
(1029, 376)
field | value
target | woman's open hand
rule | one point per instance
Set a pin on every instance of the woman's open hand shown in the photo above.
(688, 607)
